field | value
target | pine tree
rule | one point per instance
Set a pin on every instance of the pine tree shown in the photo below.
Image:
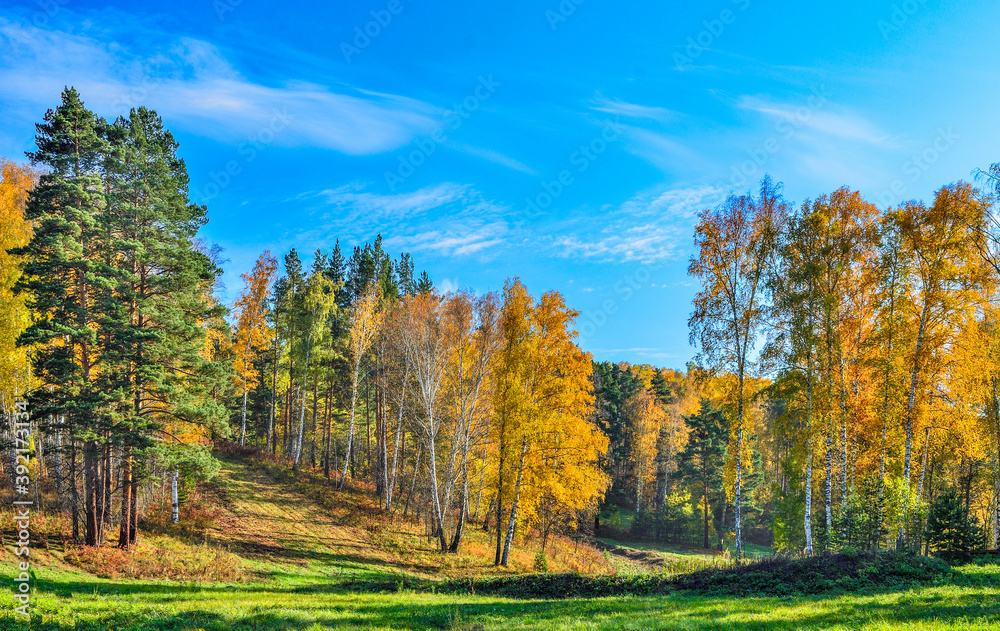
(289, 296)
(154, 330)
(702, 462)
(404, 272)
(661, 389)
(950, 528)
(424, 283)
(65, 277)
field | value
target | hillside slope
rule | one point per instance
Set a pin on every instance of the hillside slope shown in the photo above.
(259, 521)
(281, 522)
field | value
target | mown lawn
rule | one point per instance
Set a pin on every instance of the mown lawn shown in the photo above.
(62, 599)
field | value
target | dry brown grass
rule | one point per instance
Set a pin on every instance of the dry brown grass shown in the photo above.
(159, 557)
(258, 515)
(262, 495)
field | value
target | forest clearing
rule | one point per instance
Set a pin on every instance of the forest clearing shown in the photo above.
(352, 428)
(529, 315)
(250, 567)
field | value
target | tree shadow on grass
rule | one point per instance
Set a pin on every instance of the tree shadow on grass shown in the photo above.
(612, 613)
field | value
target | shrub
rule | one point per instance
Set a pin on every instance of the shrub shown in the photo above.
(860, 526)
(159, 558)
(541, 563)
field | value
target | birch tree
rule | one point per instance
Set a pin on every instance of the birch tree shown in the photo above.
(427, 347)
(736, 244)
(365, 320)
(940, 238)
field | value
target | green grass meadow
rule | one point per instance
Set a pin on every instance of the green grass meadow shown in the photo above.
(64, 600)
(301, 563)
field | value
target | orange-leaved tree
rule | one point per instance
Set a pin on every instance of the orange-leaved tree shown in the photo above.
(543, 434)
(252, 330)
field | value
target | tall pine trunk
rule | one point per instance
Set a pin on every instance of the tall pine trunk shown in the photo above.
(126, 510)
(271, 443)
(57, 466)
(108, 489)
(75, 489)
(133, 531)
(91, 485)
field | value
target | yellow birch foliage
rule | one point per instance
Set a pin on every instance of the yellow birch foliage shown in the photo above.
(645, 417)
(543, 405)
(15, 231)
(252, 330)
(366, 321)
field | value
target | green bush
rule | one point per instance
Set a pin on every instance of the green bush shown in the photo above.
(541, 563)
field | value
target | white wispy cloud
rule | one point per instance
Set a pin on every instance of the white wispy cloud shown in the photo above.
(496, 157)
(653, 226)
(447, 219)
(455, 239)
(193, 82)
(357, 200)
(632, 110)
(846, 125)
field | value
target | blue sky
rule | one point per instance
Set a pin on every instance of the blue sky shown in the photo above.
(570, 144)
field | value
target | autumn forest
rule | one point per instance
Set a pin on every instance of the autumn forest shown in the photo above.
(845, 395)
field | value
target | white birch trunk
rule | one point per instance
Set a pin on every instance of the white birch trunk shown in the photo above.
(175, 513)
(350, 428)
